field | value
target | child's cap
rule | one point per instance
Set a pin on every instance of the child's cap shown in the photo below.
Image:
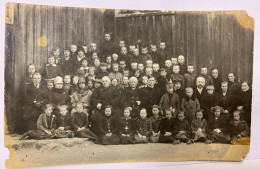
(58, 79)
(103, 64)
(82, 80)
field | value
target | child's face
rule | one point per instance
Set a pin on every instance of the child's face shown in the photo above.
(56, 53)
(137, 73)
(163, 73)
(67, 53)
(204, 71)
(170, 90)
(149, 64)
(144, 50)
(63, 111)
(168, 63)
(73, 48)
(190, 69)
(108, 112)
(131, 48)
(103, 68)
(224, 87)
(134, 66)
(75, 80)
(244, 87)
(91, 72)
(217, 113)
(79, 108)
(153, 48)
(143, 114)
(122, 64)
(121, 44)
(109, 59)
(97, 62)
(176, 69)
(31, 69)
(48, 111)
(125, 80)
(236, 116)
(50, 85)
(149, 71)
(81, 53)
(82, 85)
(210, 91)
(177, 85)
(51, 60)
(124, 51)
(93, 47)
(151, 82)
(231, 77)
(114, 82)
(162, 45)
(85, 49)
(156, 67)
(115, 68)
(199, 115)
(58, 85)
(155, 111)
(115, 57)
(189, 92)
(141, 66)
(168, 114)
(107, 37)
(94, 56)
(85, 63)
(181, 59)
(90, 84)
(215, 73)
(174, 61)
(181, 116)
(126, 73)
(126, 113)
(144, 80)
(136, 52)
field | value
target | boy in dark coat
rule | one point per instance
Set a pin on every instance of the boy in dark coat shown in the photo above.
(209, 100)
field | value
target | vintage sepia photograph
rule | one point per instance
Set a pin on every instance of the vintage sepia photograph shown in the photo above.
(89, 85)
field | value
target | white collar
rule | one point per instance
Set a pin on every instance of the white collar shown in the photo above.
(51, 65)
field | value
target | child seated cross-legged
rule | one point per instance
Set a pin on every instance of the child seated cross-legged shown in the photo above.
(63, 122)
(108, 128)
(155, 121)
(46, 124)
(181, 129)
(144, 128)
(127, 127)
(166, 128)
(239, 128)
(198, 127)
(80, 123)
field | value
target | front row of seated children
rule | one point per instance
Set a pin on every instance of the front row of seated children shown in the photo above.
(125, 130)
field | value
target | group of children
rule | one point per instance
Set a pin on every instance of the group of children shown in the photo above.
(113, 96)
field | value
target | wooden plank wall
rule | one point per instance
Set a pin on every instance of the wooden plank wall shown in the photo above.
(62, 26)
(214, 39)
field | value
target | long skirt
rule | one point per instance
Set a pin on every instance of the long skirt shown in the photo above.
(112, 140)
(127, 139)
(165, 139)
(182, 137)
(86, 133)
(141, 140)
(62, 133)
(221, 137)
(38, 135)
(154, 139)
(197, 136)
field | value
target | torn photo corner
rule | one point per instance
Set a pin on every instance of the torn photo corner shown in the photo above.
(88, 86)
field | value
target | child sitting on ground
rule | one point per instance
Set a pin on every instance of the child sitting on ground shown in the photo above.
(144, 128)
(109, 128)
(181, 129)
(155, 122)
(166, 128)
(127, 127)
(198, 127)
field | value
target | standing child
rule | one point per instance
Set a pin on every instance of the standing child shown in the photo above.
(116, 74)
(238, 127)
(127, 127)
(216, 80)
(46, 124)
(73, 49)
(75, 81)
(145, 55)
(57, 57)
(208, 100)
(51, 70)
(190, 104)
(217, 130)
(182, 64)
(109, 128)
(162, 81)
(91, 73)
(208, 78)
(144, 128)
(190, 76)
(166, 128)
(170, 100)
(198, 127)
(83, 70)
(176, 75)
(63, 123)
(80, 123)
(181, 129)
(67, 85)
(156, 68)
(155, 121)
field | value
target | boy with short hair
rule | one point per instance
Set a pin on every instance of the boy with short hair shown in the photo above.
(176, 75)
(208, 78)
(182, 64)
(145, 55)
(51, 69)
(116, 74)
(189, 77)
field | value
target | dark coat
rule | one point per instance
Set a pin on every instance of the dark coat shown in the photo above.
(156, 123)
(166, 125)
(240, 129)
(199, 95)
(59, 97)
(46, 122)
(234, 88)
(226, 102)
(207, 102)
(144, 127)
(181, 126)
(79, 120)
(149, 97)
(67, 67)
(189, 80)
(107, 48)
(166, 103)
(155, 57)
(217, 84)
(51, 71)
(33, 94)
(129, 97)
(127, 126)
(109, 125)
(145, 57)
(220, 123)
(64, 121)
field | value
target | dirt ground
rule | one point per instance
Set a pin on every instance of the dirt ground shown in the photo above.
(28, 153)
